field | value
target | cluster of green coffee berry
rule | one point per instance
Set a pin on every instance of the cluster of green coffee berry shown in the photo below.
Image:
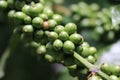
(112, 70)
(40, 28)
(96, 19)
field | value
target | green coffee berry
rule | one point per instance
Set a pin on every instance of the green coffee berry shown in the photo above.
(27, 20)
(52, 36)
(3, 5)
(52, 24)
(37, 22)
(92, 50)
(113, 77)
(70, 28)
(58, 18)
(76, 38)
(68, 47)
(57, 44)
(59, 29)
(63, 36)
(41, 49)
(43, 16)
(91, 59)
(28, 29)
(105, 67)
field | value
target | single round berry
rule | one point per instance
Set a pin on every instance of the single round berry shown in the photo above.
(46, 25)
(43, 16)
(76, 38)
(48, 12)
(11, 14)
(105, 67)
(116, 69)
(57, 44)
(49, 58)
(27, 20)
(59, 28)
(68, 47)
(63, 36)
(79, 49)
(52, 36)
(70, 28)
(114, 77)
(28, 29)
(52, 24)
(19, 17)
(91, 59)
(3, 4)
(41, 49)
(34, 44)
(85, 51)
(57, 18)
(37, 22)
(25, 9)
(92, 50)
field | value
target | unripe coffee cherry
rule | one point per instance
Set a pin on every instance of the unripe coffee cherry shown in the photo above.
(76, 38)
(63, 36)
(59, 29)
(68, 47)
(41, 49)
(70, 28)
(37, 22)
(57, 44)
(28, 29)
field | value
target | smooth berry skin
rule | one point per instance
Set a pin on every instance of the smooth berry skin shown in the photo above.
(11, 14)
(34, 44)
(70, 28)
(105, 67)
(68, 47)
(52, 24)
(91, 59)
(3, 5)
(39, 34)
(76, 38)
(43, 16)
(114, 77)
(28, 29)
(116, 70)
(92, 50)
(25, 9)
(57, 44)
(19, 17)
(27, 20)
(48, 12)
(79, 49)
(37, 22)
(52, 36)
(63, 36)
(57, 18)
(59, 29)
(49, 58)
(85, 52)
(41, 49)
